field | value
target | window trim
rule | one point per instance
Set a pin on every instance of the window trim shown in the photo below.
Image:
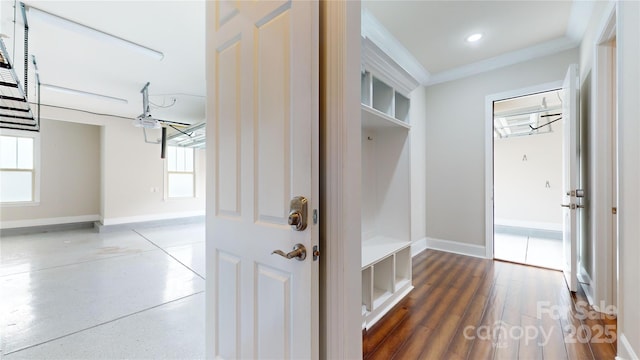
(168, 173)
(36, 166)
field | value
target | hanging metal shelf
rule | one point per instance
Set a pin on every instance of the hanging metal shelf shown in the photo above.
(15, 110)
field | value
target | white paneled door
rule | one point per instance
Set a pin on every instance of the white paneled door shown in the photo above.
(262, 152)
(570, 193)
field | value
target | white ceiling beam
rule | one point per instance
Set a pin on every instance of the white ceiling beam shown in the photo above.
(56, 20)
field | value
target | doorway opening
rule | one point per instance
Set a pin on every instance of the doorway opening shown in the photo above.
(527, 163)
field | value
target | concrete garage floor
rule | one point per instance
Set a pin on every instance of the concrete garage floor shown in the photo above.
(528, 250)
(85, 295)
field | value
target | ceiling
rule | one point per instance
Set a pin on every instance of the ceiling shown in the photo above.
(430, 35)
(425, 37)
(73, 59)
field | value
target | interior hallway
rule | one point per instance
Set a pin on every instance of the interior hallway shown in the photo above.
(86, 295)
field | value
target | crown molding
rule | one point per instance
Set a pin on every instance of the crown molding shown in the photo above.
(514, 57)
(373, 30)
(382, 66)
(379, 36)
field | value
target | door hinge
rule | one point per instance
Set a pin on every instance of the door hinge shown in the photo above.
(315, 216)
(316, 253)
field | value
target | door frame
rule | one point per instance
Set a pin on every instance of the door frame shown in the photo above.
(489, 193)
(604, 282)
(340, 173)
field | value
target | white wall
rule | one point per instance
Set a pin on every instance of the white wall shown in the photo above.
(521, 197)
(589, 38)
(628, 78)
(129, 170)
(133, 171)
(455, 144)
(69, 177)
(595, 161)
(628, 42)
(418, 145)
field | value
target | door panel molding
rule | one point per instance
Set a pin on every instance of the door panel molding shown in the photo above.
(272, 118)
(228, 283)
(228, 121)
(273, 342)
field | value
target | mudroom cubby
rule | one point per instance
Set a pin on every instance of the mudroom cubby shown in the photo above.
(386, 206)
(386, 281)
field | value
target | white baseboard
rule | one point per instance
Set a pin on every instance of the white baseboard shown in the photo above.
(529, 224)
(147, 218)
(456, 247)
(625, 351)
(14, 224)
(418, 246)
(587, 285)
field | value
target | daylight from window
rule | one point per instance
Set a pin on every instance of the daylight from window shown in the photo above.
(180, 172)
(16, 169)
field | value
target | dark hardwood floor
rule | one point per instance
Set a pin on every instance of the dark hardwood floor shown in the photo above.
(469, 308)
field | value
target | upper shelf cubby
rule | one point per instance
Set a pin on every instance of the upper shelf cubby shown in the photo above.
(382, 105)
(365, 88)
(383, 97)
(401, 105)
(385, 88)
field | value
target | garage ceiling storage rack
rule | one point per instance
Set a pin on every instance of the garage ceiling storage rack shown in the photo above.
(15, 110)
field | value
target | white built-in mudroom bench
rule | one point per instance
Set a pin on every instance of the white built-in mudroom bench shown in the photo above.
(386, 206)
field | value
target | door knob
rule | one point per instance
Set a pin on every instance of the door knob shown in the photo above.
(299, 253)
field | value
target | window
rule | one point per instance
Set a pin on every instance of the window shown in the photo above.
(180, 172)
(18, 164)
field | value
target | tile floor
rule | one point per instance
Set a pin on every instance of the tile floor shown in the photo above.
(528, 250)
(86, 295)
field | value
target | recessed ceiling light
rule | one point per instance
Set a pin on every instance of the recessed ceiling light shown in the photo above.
(474, 37)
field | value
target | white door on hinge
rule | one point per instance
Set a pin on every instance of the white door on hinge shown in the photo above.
(262, 151)
(570, 176)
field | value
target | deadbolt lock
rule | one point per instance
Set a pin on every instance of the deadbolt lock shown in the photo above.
(298, 213)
